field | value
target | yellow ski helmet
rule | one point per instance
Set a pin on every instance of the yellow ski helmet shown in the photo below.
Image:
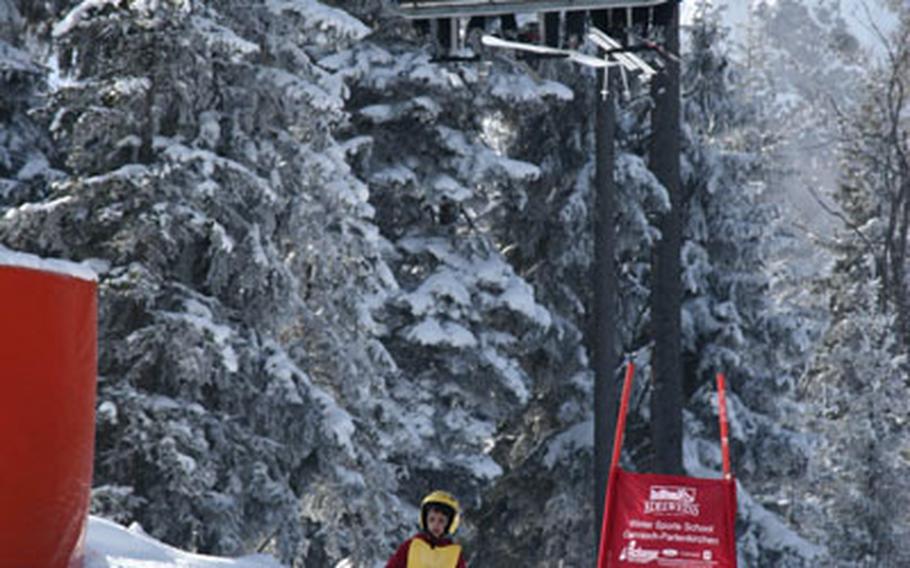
(445, 501)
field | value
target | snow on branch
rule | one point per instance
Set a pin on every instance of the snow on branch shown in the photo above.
(322, 18)
(513, 88)
(336, 421)
(77, 14)
(14, 60)
(218, 36)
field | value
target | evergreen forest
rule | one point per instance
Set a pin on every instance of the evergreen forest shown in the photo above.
(337, 271)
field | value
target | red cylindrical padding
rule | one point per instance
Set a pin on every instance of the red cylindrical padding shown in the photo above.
(48, 366)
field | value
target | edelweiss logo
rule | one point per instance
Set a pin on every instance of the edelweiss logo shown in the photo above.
(632, 553)
(671, 500)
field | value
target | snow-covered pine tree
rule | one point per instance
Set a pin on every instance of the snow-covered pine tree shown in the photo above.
(463, 325)
(732, 321)
(234, 249)
(540, 508)
(859, 466)
(543, 507)
(482, 176)
(26, 152)
(798, 55)
(857, 382)
(291, 356)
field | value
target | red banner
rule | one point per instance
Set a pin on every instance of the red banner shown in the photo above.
(669, 520)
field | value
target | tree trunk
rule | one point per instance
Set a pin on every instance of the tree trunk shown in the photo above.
(666, 286)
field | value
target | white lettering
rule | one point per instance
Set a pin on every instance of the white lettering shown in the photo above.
(671, 508)
(690, 538)
(629, 535)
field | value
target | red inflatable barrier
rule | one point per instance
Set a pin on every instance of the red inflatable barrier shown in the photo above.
(48, 367)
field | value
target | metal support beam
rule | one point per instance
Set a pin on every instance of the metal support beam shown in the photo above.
(447, 33)
(603, 344)
(666, 290)
(465, 8)
(550, 28)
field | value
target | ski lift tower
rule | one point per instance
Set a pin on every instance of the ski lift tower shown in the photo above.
(619, 29)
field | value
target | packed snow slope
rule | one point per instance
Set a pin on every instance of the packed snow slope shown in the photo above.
(109, 545)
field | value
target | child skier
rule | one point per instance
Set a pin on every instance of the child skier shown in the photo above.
(432, 547)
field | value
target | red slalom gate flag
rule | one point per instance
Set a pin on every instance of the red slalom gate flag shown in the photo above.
(668, 520)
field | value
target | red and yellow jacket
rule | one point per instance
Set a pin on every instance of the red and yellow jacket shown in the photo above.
(424, 551)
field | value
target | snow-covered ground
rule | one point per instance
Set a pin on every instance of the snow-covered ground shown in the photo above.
(109, 545)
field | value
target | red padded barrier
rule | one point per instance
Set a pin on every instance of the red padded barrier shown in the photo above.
(48, 354)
